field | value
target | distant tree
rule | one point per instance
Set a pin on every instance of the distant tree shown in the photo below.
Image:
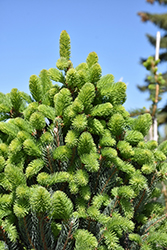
(159, 20)
(156, 82)
(159, 1)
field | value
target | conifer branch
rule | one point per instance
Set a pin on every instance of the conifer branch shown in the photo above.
(3, 233)
(117, 200)
(134, 113)
(140, 200)
(73, 156)
(97, 179)
(115, 170)
(28, 235)
(41, 223)
(159, 220)
(50, 163)
(102, 236)
(69, 236)
(152, 180)
(56, 133)
(164, 191)
(142, 197)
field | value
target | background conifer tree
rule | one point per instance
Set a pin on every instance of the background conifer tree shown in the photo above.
(151, 82)
(75, 170)
(160, 20)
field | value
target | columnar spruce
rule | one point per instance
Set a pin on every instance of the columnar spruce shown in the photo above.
(75, 169)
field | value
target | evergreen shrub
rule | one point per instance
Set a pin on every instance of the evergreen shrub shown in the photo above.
(75, 170)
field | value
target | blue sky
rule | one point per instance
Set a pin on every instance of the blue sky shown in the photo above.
(29, 39)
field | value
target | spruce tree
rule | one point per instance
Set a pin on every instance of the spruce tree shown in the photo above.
(75, 170)
(160, 20)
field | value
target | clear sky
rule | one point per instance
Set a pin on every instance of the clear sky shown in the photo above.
(29, 39)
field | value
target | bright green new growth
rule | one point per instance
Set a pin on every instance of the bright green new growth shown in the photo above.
(75, 170)
(65, 45)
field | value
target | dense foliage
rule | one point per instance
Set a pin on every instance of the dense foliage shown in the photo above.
(75, 169)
